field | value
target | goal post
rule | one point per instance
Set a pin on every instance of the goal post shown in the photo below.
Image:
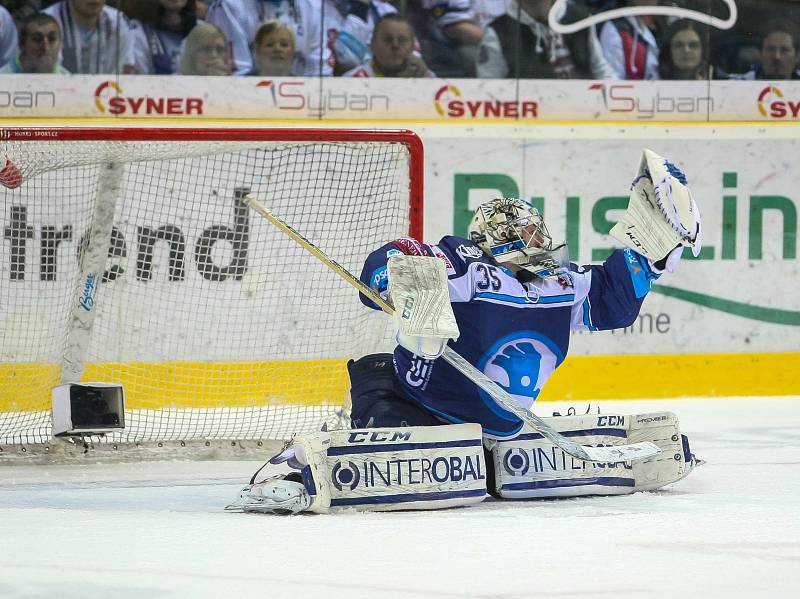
(129, 256)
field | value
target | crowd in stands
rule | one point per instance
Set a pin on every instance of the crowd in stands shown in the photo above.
(396, 38)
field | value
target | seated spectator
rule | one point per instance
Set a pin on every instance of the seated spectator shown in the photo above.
(347, 30)
(736, 50)
(448, 33)
(520, 44)
(97, 39)
(630, 44)
(392, 49)
(8, 37)
(205, 52)
(158, 39)
(684, 52)
(40, 47)
(778, 54)
(273, 50)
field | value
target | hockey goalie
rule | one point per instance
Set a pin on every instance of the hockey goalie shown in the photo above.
(505, 299)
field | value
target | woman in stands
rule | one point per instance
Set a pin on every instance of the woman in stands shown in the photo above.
(684, 52)
(206, 52)
(274, 50)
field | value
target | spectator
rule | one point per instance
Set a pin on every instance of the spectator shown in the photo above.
(737, 49)
(158, 39)
(205, 52)
(449, 34)
(630, 44)
(520, 44)
(273, 50)
(684, 52)
(96, 38)
(347, 27)
(40, 47)
(8, 37)
(778, 54)
(392, 49)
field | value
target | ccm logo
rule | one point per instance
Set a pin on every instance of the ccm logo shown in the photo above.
(378, 436)
(611, 421)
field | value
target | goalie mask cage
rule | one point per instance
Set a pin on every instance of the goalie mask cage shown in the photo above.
(129, 256)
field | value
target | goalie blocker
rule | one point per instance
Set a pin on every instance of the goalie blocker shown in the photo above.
(434, 467)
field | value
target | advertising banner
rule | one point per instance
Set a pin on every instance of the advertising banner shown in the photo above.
(739, 295)
(428, 100)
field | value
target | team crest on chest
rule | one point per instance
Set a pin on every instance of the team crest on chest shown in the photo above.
(521, 363)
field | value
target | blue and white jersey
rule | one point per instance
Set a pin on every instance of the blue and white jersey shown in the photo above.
(516, 333)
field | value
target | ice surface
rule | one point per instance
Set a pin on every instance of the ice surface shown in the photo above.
(155, 530)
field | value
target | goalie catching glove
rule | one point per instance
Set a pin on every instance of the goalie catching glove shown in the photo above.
(662, 217)
(423, 316)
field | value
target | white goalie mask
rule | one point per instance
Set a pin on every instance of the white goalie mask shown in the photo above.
(512, 232)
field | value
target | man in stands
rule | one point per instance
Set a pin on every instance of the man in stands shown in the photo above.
(392, 49)
(96, 38)
(520, 44)
(40, 47)
(778, 54)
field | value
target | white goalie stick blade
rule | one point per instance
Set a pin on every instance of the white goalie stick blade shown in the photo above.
(661, 214)
(418, 286)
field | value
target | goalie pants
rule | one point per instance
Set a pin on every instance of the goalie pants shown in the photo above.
(378, 401)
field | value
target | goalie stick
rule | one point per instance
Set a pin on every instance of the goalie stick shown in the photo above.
(608, 454)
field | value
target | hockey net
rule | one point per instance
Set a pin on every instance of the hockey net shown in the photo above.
(217, 324)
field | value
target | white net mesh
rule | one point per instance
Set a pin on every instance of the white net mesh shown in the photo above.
(216, 323)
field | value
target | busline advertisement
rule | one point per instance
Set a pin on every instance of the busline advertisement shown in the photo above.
(726, 322)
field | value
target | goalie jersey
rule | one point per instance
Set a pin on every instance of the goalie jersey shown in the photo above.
(516, 332)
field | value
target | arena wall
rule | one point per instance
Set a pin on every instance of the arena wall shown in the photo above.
(727, 323)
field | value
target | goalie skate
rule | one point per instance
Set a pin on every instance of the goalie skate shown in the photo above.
(275, 495)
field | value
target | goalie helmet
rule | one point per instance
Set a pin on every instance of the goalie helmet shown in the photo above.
(512, 232)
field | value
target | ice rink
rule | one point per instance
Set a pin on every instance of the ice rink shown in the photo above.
(732, 529)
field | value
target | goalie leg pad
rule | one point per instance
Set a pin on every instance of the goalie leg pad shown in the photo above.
(409, 468)
(529, 466)
(375, 469)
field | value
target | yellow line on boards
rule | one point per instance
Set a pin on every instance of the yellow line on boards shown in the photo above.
(677, 375)
(27, 387)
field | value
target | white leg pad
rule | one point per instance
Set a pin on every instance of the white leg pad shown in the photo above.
(408, 468)
(529, 466)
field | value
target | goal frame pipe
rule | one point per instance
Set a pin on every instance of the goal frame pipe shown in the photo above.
(311, 134)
